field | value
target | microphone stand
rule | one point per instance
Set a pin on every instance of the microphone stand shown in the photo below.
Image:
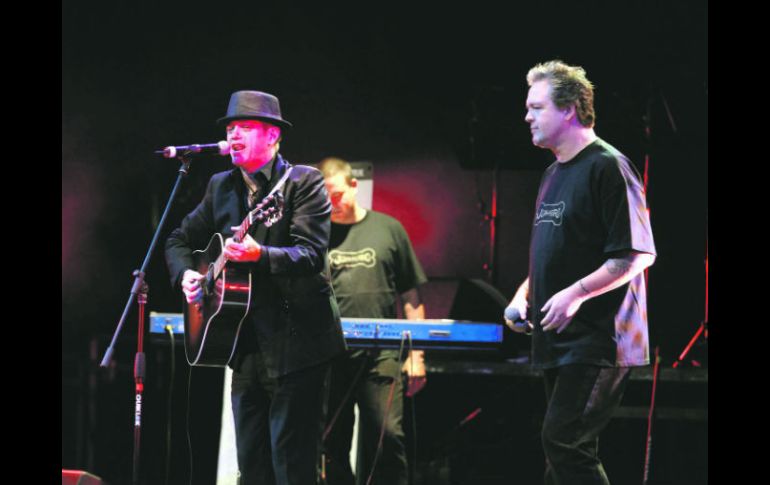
(139, 292)
(492, 218)
(703, 328)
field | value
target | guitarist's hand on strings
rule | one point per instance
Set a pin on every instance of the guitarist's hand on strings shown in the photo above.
(191, 285)
(247, 251)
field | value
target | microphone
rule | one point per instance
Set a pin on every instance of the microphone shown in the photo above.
(512, 314)
(222, 148)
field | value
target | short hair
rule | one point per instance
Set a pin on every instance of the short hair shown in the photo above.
(266, 125)
(569, 86)
(331, 166)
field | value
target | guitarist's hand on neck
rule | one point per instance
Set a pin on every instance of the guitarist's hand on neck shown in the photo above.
(247, 251)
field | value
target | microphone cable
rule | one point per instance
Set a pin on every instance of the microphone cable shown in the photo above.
(168, 330)
(378, 453)
(411, 467)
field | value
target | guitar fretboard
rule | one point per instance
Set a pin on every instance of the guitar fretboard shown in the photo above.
(263, 211)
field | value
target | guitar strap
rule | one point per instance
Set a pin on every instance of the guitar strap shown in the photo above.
(280, 183)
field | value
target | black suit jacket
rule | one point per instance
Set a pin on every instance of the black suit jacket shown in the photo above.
(294, 320)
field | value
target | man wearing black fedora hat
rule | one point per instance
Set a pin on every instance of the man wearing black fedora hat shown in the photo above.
(292, 330)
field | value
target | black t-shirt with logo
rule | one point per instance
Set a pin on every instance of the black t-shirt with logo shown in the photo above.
(371, 262)
(588, 210)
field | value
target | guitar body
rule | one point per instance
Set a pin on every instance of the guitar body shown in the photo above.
(213, 324)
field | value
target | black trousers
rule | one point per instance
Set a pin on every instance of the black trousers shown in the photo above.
(278, 423)
(581, 401)
(371, 374)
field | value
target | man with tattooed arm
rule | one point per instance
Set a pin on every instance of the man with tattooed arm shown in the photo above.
(584, 300)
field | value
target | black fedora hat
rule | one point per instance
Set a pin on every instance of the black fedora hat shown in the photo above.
(254, 105)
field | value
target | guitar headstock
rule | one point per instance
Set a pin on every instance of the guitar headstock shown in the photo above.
(269, 210)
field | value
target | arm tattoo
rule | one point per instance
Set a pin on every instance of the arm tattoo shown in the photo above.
(618, 266)
(583, 287)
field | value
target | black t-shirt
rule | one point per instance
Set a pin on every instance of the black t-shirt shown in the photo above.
(588, 210)
(371, 262)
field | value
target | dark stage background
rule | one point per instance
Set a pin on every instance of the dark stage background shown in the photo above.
(434, 97)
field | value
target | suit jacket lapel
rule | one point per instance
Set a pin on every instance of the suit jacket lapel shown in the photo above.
(234, 201)
(279, 168)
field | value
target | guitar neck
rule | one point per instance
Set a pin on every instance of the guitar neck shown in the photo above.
(238, 236)
(240, 233)
(244, 227)
(264, 213)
